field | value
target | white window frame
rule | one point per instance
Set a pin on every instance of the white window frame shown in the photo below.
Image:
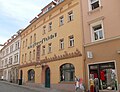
(61, 19)
(70, 16)
(50, 26)
(71, 41)
(61, 44)
(49, 47)
(90, 6)
(92, 31)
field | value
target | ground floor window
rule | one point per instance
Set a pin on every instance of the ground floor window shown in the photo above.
(31, 75)
(67, 72)
(103, 76)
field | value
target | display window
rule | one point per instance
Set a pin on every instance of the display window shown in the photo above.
(103, 75)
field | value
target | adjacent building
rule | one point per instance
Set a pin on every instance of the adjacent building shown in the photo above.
(101, 21)
(51, 46)
(10, 58)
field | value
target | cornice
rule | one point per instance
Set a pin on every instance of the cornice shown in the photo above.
(56, 58)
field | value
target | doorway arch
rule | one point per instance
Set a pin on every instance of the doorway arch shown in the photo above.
(47, 77)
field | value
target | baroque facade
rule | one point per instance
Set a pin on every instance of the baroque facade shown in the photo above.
(51, 48)
(10, 58)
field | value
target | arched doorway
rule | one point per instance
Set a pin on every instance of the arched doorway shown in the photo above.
(31, 75)
(47, 77)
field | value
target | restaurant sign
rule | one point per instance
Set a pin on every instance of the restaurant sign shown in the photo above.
(43, 40)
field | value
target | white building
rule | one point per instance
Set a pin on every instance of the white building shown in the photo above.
(10, 58)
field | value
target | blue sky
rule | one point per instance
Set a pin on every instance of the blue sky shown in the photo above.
(16, 14)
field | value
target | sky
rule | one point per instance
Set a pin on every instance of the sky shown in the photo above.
(16, 14)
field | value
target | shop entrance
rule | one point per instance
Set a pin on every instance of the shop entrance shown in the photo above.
(47, 77)
(103, 75)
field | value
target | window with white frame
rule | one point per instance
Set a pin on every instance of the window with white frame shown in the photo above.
(97, 31)
(49, 47)
(70, 16)
(61, 44)
(16, 58)
(93, 4)
(71, 41)
(61, 20)
(50, 26)
(10, 60)
(43, 50)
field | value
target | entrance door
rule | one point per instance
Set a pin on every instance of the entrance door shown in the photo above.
(47, 77)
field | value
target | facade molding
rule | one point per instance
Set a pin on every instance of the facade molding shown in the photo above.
(66, 55)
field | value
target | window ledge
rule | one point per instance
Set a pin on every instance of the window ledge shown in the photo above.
(95, 10)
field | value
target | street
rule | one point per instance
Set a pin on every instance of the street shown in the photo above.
(10, 87)
(4, 87)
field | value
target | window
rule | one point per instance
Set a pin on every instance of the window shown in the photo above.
(67, 72)
(49, 48)
(50, 26)
(104, 74)
(38, 53)
(34, 37)
(43, 50)
(97, 31)
(30, 40)
(61, 43)
(61, 20)
(33, 54)
(16, 45)
(16, 58)
(11, 48)
(70, 16)
(31, 75)
(94, 4)
(23, 44)
(44, 29)
(7, 51)
(71, 41)
(30, 55)
(26, 43)
(25, 57)
(22, 58)
(10, 60)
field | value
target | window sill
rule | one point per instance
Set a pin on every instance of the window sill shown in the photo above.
(70, 46)
(95, 10)
(70, 20)
(61, 49)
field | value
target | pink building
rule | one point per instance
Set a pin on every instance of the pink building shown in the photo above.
(101, 22)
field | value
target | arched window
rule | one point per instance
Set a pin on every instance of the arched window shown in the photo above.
(67, 72)
(31, 75)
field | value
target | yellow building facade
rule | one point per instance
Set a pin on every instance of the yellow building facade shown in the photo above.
(51, 46)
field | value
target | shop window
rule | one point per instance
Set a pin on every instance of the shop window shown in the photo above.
(67, 72)
(31, 75)
(103, 76)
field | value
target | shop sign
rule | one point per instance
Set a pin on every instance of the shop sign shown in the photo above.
(43, 40)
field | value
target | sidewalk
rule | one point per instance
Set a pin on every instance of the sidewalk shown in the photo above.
(39, 89)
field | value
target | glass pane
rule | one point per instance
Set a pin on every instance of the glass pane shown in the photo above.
(100, 34)
(95, 5)
(96, 36)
